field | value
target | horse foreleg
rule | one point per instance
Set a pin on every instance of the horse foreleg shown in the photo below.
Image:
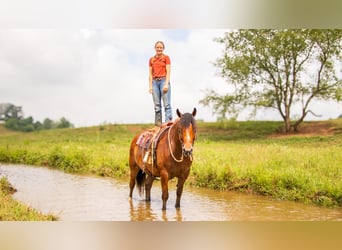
(180, 186)
(164, 179)
(148, 186)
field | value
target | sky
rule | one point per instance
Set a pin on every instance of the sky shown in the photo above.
(100, 76)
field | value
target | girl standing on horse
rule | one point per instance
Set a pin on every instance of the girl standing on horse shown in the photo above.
(159, 83)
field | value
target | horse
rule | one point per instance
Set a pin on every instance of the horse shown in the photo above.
(172, 155)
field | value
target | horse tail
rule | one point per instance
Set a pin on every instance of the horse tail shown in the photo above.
(141, 177)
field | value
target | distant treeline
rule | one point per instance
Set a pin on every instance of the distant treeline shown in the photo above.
(13, 119)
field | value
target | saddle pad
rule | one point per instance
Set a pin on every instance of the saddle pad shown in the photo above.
(145, 139)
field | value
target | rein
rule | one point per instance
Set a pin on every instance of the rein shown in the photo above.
(169, 142)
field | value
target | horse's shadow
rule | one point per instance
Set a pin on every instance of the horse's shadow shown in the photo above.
(141, 210)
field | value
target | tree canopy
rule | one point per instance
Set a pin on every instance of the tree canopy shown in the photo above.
(278, 69)
(14, 119)
(8, 110)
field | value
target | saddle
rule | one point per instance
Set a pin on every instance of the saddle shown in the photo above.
(148, 140)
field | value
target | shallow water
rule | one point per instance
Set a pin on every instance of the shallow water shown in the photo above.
(87, 198)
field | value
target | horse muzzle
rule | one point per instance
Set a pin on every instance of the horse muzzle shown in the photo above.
(187, 152)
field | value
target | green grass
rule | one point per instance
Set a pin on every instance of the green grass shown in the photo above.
(228, 155)
(11, 210)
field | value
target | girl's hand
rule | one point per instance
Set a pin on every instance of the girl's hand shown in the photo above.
(166, 88)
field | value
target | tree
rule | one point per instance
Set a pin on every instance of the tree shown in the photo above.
(8, 110)
(64, 123)
(47, 123)
(14, 119)
(38, 126)
(21, 124)
(278, 69)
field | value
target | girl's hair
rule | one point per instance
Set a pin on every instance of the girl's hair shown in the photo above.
(155, 45)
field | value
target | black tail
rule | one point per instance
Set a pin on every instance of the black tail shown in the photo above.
(141, 176)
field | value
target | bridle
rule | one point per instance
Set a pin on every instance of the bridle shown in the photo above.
(182, 145)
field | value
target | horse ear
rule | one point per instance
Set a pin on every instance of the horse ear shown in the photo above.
(194, 112)
(178, 113)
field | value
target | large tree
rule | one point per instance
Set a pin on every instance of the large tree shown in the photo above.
(278, 69)
(8, 110)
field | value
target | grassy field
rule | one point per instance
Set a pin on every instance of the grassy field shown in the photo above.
(11, 210)
(251, 156)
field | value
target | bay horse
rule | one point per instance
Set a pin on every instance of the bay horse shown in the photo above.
(172, 157)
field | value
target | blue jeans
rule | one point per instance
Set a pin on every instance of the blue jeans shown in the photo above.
(158, 95)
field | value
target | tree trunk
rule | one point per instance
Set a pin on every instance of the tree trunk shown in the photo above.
(287, 118)
(287, 122)
(295, 127)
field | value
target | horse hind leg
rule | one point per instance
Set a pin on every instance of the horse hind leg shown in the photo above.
(136, 177)
(134, 168)
(133, 175)
(140, 179)
(148, 186)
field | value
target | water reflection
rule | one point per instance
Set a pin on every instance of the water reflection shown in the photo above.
(145, 211)
(77, 198)
(141, 211)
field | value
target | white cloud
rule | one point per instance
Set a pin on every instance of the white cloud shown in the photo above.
(91, 76)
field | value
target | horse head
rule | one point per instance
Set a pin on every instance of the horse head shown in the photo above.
(187, 131)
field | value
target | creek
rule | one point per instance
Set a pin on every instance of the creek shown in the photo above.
(87, 198)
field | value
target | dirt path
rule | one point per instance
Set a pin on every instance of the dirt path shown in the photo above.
(309, 129)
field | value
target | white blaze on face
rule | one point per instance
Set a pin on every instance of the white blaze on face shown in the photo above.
(187, 138)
